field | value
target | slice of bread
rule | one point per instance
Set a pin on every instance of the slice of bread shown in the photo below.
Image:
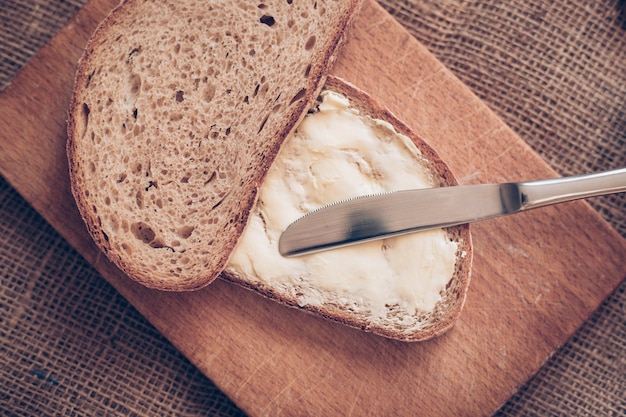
(335, 297)
(179, 108)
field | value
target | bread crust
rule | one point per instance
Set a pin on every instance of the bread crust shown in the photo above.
(448, 309)
(135, 258)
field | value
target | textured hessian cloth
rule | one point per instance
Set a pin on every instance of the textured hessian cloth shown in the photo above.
(555, 71)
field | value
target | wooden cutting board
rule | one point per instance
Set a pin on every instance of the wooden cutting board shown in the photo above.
(537, 276)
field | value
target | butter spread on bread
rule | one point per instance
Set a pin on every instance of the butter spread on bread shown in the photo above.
(335, 154)
(179, 107)
(409, 287)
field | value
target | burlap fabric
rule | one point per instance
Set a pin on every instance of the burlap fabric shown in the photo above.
(555, 71)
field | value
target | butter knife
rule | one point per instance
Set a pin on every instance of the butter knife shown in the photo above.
(375, 217)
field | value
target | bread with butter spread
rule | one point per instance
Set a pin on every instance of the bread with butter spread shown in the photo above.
(179, 108)
(408, 287)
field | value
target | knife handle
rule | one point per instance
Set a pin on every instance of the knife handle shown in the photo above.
(558, 190)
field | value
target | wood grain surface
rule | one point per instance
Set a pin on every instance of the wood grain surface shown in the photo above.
(537, 276)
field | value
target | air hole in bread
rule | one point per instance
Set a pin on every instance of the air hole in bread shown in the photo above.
(211, 178)
(89, 77)
(186, 231)
(139, 199)
(262, 6)
(307, 71)
(143, 232)
(137, 169)
(290, 23)
(216, 205)
(85, 118)
(152, 184)
(263, 123)
(134, 51)
(310, 43)
(135, 84)
(92, 167)
(209, 93)
(268, 20)
(180, 96)
(299, 95)
(157, 244)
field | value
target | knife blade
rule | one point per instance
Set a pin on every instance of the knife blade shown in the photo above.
(375, 217)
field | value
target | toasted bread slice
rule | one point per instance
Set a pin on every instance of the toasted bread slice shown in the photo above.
(359, 286)
(178, 110)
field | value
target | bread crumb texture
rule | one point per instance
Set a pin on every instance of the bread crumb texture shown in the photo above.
(179, 108)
